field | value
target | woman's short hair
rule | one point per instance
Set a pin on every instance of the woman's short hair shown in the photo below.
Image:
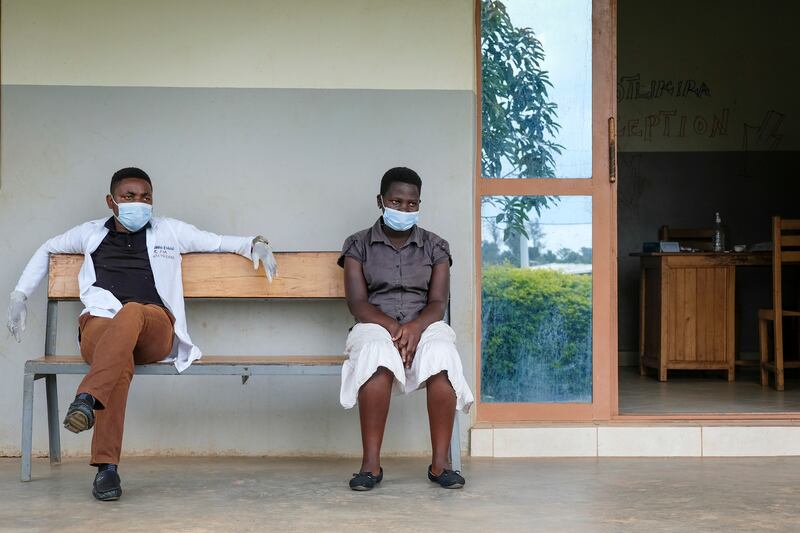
(401, 174)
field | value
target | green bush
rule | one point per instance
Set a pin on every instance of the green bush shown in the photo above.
(536, 336)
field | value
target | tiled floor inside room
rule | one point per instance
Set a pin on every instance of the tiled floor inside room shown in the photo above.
(704, 392)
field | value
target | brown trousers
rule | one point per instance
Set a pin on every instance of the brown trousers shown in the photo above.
(138, 334)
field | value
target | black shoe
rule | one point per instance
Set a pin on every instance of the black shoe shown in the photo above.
(449, 479)
(80, 415)
(365, 480)
(106, 486)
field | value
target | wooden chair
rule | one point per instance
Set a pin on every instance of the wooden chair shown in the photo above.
(785, 250)
(688, 237)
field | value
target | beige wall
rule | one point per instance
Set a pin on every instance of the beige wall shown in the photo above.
(374, 44)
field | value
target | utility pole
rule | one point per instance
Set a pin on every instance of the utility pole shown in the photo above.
(524, 258)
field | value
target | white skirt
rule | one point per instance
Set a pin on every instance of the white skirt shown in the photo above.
(370, 346)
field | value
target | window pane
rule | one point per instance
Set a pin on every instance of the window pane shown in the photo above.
(536, 299)
(536, 74)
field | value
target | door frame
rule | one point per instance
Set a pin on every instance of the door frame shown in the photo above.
(601, 187)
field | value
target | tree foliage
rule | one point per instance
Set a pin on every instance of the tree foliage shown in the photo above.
(518, 120)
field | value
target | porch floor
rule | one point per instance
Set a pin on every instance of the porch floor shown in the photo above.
(257, 494)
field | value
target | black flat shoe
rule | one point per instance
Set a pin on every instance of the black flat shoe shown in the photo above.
(106, 486)
(365, 480)
(449, 479)
(80, 416)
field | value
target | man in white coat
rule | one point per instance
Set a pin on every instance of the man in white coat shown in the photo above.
(132, 290)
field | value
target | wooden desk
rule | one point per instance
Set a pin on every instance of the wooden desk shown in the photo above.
(686, 310)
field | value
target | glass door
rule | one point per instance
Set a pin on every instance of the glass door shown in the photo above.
(544, 213)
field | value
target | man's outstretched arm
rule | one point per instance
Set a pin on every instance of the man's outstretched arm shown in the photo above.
(192, 239)
(70, 242)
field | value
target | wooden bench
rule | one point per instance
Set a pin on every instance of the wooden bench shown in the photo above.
(302, 276)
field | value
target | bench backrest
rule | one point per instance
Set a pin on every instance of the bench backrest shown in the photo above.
(222, 275)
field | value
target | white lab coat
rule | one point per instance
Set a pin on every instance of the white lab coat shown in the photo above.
(167, 239)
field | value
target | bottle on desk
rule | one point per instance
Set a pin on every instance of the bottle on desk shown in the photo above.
(718, 238)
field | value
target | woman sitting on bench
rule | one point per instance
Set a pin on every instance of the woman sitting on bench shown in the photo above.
(397, 282)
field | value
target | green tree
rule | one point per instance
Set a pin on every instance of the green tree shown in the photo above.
(518, 119)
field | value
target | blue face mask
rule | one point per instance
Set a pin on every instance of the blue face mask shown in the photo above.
(399, 220)
(134, 215)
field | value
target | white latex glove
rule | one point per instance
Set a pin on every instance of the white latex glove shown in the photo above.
(17, 314)
(262, 251)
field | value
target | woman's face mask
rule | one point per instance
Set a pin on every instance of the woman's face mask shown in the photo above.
(399, 220)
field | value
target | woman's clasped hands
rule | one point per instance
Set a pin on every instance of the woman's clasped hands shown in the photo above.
(406, 338)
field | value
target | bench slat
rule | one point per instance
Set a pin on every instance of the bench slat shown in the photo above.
(218, 275)
(245, 366)
(211, 360)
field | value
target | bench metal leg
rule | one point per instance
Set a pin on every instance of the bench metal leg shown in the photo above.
(27, 425)
(53, 426)
(455, 445)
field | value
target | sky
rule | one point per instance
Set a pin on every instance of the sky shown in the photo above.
(566, 225)
(564, 28)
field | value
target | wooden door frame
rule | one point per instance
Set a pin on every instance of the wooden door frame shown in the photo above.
(604, 239)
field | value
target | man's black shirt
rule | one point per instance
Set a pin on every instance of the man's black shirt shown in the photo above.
(122, 266)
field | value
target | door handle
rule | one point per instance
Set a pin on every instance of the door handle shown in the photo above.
(612, 150)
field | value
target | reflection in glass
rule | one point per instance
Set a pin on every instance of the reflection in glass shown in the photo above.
(536, 300)
(536, 88)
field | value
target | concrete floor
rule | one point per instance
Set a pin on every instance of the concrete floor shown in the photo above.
(704, 392)
(255, 494)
